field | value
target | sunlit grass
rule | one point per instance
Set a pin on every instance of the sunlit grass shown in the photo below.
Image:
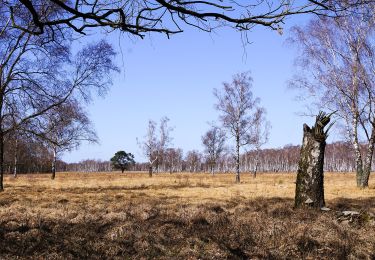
(180, 216)
(193, 187)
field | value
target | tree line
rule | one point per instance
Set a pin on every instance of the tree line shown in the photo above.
(338, 158)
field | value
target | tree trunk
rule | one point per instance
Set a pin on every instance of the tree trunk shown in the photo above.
(255, 170)
(310, 177)
(368, 162)
(15, 160)
(256, 164)
(54, 165)
(366, 174)
(150, 171)
(238, 180)
(358, 163)
(1, 160)
(357, 151)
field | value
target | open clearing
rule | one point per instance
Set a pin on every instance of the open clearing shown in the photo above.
(181, 216)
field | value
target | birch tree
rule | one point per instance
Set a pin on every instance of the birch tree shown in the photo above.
(336, 66)
(156, 142)
(38, 74)
(173, 159)
(149, 145)
(193, 161)
(214, 145)
(164, 141)
(239, 113)
(64, 128)
(259, 136)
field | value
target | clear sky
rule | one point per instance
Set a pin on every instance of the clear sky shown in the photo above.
(176, 77)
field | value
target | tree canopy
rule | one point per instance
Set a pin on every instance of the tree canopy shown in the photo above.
(241, 114)
(140, 17)
(38, 73)
(122, 160)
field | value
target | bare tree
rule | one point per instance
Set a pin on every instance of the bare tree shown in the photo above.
(193, 161)
(154, 144)
(173, 159)
(140, 17)
(337, 64)
(240, 113)
(338, 158)
(259, 135)
(164, 141)
(214, 145)
(87, 166)
(64, 128)
(149, 145)
(37, 74)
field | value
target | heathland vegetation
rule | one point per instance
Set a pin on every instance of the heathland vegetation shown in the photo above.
(196, 216)
(230, 212)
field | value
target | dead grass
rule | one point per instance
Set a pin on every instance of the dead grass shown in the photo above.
(180, 216)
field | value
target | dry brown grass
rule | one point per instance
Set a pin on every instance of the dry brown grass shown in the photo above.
(181, 216)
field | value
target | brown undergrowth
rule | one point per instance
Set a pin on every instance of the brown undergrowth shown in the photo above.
(181, 216)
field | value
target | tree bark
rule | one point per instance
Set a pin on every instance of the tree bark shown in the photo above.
(1, 160)
(310, 177)
(150, 171)
(54, 165)
(256, 164)
(368, 162)
(366, 174)
(15, 159)
(358, 156)
(238, 180)
(359, 169)
(255, 170)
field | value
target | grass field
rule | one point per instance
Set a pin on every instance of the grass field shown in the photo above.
(181, 216)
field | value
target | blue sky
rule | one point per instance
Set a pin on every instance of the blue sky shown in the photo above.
(176, 77)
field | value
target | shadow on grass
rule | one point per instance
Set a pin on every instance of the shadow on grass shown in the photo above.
(263, 228)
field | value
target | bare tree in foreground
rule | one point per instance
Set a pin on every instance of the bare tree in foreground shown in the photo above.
(140, 17)
(337, 64)
(309, 184)
(214, 144)
(37, 75)
(240, 113)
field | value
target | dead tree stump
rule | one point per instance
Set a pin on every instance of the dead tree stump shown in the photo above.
(310, 178)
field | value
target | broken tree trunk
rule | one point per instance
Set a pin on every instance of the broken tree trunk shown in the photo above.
(309, 184)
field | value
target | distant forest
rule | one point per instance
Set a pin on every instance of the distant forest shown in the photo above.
(33, 157)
